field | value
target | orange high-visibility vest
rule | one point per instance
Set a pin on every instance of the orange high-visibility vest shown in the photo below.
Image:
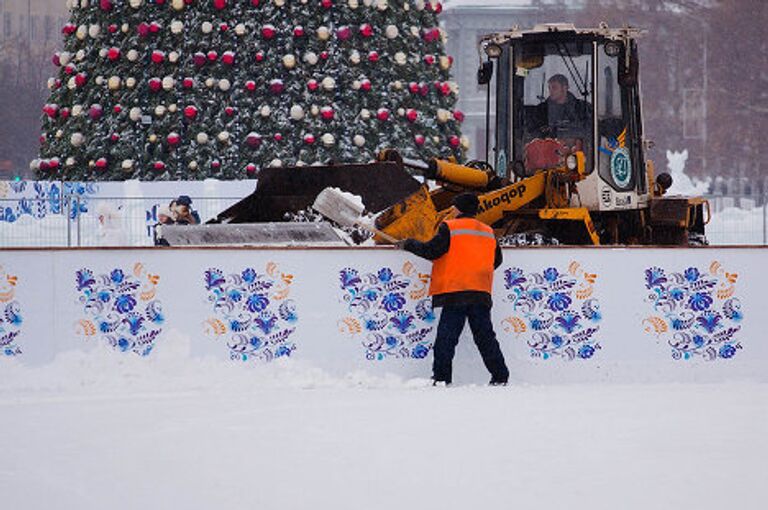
(468, 264)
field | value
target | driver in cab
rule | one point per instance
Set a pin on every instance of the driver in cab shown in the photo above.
(561, 113)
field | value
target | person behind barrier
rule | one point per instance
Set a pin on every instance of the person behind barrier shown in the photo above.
(184, 214)
(464, 254)
(164, 217)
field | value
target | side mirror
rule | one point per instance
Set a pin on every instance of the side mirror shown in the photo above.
(628, 71)
(484, 73)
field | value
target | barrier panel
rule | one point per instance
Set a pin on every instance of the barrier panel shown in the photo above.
(561, 314)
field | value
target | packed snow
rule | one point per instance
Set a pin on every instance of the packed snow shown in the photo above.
(95, 430)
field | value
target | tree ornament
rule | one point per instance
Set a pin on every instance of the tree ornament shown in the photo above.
(159, 166)
(152, 138)
(177, 5)
(356, 85)
(275, 163)
(215, 164)
(365, 114)
(382, 5)
(436, 140)
(329, 83)
(373, 56)
(132, 55)
(259, 56)
(412, 115)
(188, 83)
(124, 28)
(82, 32)
(117, 108)
(112, 28)
(324, 55)
(250, 169)
(309, 139)
(419, 140)
(253, 139)
(224, 84)
(77, 110)
(199, 59)
(278, 137)
(173, 57)
(382, 114)
(113, 53)
(358, 140)
(80, 79)
(429, 59)
(391, 32)
(240, 29)
(64, 113)
(192, 165)
(172, 108)
(173, 139)
(135, 3)
(268, 32)
(70, 161)
(323, 33)
(95, 111)
(353, 4)
(190, 112)
(343, 33)
(454, 141)
(223, 27)
(206, 27)
(400, 58)
(265, 111)
(159, 110)
(155, 84)
(289, 61)
(298, 31)
(310, 58)
(142, 29)
(279, 3)
(327, 4)
(312, 85)
(297, 112)
(126, 165)
(223, 136)
(443, 115)
(69, 29)
(250, 85)
(366, 30)
(229, 111)
(99, 80)
(94, 31)
(158, 57)
(134, 114)
(210, 82)
(328, 139)
(212, 56)
(445, 62)
(202, 138)
(327, 113)
(419, 4)
(365, 85)
(101, 164)
(354, 57)
(276, 86)
(219, 4)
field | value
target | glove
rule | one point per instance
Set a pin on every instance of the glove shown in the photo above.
(400, 245)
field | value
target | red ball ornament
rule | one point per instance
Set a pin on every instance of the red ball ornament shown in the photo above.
(223, 27)
(69, 29)
(69, 69)
(373, 56)
(343, 33)
(413, 87)
(105, 5)
(53, 163)
(188, 83)
(419, 139)
(190, 112)
(429, 59)
(365, 85)
(278, 137)
(268, 32)
(112, 28)
(143, 29)
(57, 83)
(276, 86)
(212, 56)
(327, 113)
(199, 58)
(155, 84)
(250, 85)
(188, 2)
(81, 79)
(159, 2)
(312, 85)
(42, 139)
(424, 89)
(154, 27)
(298, 31)
(438, 8)
(253, 140)
(56, 59)
(454, 141)
(113, 53)
(51, 110)
(309, 139)
(411, 115)
(228, 57)
(229, 111)
(458, 115)
(215, 163)
(259, 56)
(95, 111)
(117, 108)
(382, 114)
(101, 163)
(324, 55)
(158, 56)
(219, 4)
(366, 30)
(255, 3)
(173, 139)
(64, 113)
(326, 3)
(250, 168)
(159, 166)
(43, 165)
(114, 137)
(445, 88)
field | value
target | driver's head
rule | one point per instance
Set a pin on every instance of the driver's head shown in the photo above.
(558, 88)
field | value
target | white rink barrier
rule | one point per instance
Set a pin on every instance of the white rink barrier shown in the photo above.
(560, 314)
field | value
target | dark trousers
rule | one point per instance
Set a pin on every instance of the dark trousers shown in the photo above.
(448, 331)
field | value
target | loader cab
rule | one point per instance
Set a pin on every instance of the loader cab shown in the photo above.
(562, 90)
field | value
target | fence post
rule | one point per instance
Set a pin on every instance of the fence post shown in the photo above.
(77, 221)
(67, 211)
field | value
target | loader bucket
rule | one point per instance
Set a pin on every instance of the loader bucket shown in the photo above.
(284, 190)
(413, 217)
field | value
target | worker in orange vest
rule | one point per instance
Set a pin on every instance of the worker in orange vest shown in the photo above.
(464, 254)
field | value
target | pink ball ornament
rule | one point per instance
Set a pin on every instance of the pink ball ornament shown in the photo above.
(223, 27)
(212, 56)
(142, 29)
(255, 3)
(411, 115)
(276, 86)
(188, 83)
(43, 165)
(158, 57)
(250, 85)
(413, 87)
(64, 113)
(155, 84)
(312, 85)
(81, 79)
(53, 163)
(445, 89)
(101, 164)
(105, 5)
(56, 59)
(423, 89)
(458, 115)
(419, 140)
(229, 111)
(365, 85)
(114, 137)
(454, 141)
(199, 59)
(215, 164)
(117, 108)
(219, 4)
(438, 8)
(259, 56)
(278, 137)
(366, 30)
(429, 59)
(250, 169)
(324, 55)
(298, 31)
(228, 57)
(309, 139)
(190, 112)
(159, 2)
(69, 69)
(173, 139)
(95, 112)
(113, 53)
(327, 113)
(51, 110)
(158, 166)
(382, 114)
(112, 28)
(343, 33)
(373, 56)
(327, 4)
(42, 139)
(268, 32)
(253, 140)
(56, 83)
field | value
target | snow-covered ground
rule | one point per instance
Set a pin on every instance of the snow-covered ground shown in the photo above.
(95, 431)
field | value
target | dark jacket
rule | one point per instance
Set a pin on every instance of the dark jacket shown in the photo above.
(436, 248)
(560, 119)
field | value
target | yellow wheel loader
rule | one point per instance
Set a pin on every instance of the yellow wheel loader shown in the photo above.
(568, 160)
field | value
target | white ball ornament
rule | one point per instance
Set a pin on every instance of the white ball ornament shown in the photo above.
(94, 31)
(310, 58)
(201, 138)
(192, 165)
(354, 57)
(279, 3)
(113, 83)
(71, 83)
(135, 3)
(391, 31)
(210, 82)
(415, 31)
(275, 163)
(443, 115)
(328, 139)
(240, 29)
(160, 110)
(177, 26)
(382, 5)
(51, 83)
(59, 133)
(81, 32)
(353, 4)
(400, 112)
(172, 108)
(83, 3)
(397, 85)
(70, 161)
(130, 82)
(400, 58)
(132, 55)
(223, 137)
(314, 110)
(329, 83)
(323, 33)
(419, 4)
(168, 83)
(445, 63)
(289, 61)
(99, 80)
(173, 57)
(126, 164)
(356, 85)
(436, 139)
(358, 140)
(367, 3)
(265, 111)
(297, 112)
(103, 52)
(124, 28)
(77, 110)
(365, 114)
(135, 114)
(464, 140)
(177, 4)
(207, 27)
(224, 84)
(76, 139)
(80, 55)
(454, 87)
(65, 57)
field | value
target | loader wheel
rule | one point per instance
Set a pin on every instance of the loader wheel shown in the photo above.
(696, 239)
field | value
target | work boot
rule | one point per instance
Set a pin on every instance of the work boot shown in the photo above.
(440, 383)
(498, 382)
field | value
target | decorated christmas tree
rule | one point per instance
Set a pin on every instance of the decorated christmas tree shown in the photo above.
(189, 89)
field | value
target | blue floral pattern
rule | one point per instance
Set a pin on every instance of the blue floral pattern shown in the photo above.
(695, 311)
(10, 315)
(121, 307)
(390, 313)
(554, 310)
(41, 198)
(252, 311)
